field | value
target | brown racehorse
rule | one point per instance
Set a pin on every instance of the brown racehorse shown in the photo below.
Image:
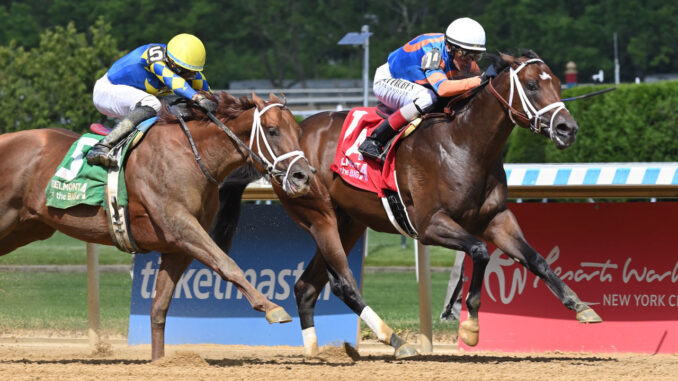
(171, 201)
(451, 179)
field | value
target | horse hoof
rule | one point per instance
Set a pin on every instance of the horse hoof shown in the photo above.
(406, 350)
(278, 315)
(311, 352)
(468, 331)
(588, 316)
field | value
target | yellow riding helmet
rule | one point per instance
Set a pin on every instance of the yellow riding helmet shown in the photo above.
(187, 51)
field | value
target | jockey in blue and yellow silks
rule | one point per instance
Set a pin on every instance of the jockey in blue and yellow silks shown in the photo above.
(131, 87)
(422, 70)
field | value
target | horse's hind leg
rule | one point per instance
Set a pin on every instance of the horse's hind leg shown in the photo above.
(330, 263)
(172, 266)
(504, 232)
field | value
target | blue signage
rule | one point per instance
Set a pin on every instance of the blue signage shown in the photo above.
(273, 251)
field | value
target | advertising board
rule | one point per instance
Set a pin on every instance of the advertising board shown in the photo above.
(620, 258)
(273, 251)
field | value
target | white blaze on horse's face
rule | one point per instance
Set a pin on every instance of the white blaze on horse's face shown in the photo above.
(544, 76)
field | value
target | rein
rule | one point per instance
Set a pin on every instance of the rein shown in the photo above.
(531, 116)
(256, 133)
(195, 150)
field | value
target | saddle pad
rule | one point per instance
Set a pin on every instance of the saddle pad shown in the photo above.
(350, 165)
(77, 182)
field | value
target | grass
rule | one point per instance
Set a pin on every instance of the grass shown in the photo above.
(58, 301)
(386, 250)
(395, 297)
(61, 249)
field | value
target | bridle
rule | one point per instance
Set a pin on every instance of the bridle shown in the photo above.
(531, 117)
(257, 132)
(271, 170)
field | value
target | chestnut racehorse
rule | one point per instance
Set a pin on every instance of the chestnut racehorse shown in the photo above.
(171, 200)
(451, 179)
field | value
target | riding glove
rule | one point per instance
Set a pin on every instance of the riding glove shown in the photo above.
(205, 103)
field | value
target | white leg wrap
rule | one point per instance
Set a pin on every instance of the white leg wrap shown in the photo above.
(377, 325)
(310, 342)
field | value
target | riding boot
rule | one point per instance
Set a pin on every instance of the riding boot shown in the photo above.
(100, 152)
(373, 146)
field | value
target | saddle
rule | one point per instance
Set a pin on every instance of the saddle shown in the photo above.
(77, 182)
(379, 178)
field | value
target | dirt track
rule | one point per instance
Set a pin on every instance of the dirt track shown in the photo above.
(62, 361)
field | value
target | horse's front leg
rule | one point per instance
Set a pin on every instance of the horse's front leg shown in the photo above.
(441, 230)
(172, 266)
(505, 232)
(188, 236)
(334, 238)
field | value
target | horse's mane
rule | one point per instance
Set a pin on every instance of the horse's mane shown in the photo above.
(501, 65)
(229, 107)
(465, 103)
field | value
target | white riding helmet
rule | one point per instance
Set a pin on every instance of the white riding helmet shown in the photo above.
(466, 33)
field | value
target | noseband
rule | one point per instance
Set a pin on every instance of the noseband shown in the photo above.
(273, 172)
(258, 131)
(531, 116)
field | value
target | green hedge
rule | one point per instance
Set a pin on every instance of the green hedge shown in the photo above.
(634, 123)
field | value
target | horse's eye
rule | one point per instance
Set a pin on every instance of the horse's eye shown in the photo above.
(273, 131)
(532, 85)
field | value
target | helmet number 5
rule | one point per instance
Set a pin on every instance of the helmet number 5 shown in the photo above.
(156, 53)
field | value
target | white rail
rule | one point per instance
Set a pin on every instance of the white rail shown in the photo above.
(315, 98)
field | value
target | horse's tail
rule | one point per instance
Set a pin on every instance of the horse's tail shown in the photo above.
(230, 198)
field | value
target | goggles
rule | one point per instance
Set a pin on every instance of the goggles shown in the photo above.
(180, 71)
(468, 54)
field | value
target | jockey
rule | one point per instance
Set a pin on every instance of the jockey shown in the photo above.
(130, 89)
(421, 71)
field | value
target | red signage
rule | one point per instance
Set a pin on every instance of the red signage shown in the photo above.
(620, 258)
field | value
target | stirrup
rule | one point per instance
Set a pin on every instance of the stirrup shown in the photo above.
(102, 158)
(372, 148)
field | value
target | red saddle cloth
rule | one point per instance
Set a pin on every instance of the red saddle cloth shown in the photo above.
(350, 164)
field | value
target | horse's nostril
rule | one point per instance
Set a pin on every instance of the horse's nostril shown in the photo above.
(299, 175)
(563, 129)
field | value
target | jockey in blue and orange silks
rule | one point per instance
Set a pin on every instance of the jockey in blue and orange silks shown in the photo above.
(131, 87)
(422, 70)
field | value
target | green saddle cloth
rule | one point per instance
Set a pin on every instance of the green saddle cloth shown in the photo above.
(77, 182)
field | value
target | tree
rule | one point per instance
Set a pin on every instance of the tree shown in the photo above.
(51, 84)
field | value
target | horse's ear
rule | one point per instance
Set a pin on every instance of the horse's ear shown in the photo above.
(272, 98)
(258, 101)
(512, 61)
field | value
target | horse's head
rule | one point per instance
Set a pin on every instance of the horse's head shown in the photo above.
(275, 138)
(538, 107)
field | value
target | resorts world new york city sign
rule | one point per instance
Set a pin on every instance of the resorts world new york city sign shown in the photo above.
(620, 258)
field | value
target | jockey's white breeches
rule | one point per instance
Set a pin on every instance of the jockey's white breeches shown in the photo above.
(396, 93)
(117, 101)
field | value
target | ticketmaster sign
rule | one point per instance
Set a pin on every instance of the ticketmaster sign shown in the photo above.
(273, 251)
